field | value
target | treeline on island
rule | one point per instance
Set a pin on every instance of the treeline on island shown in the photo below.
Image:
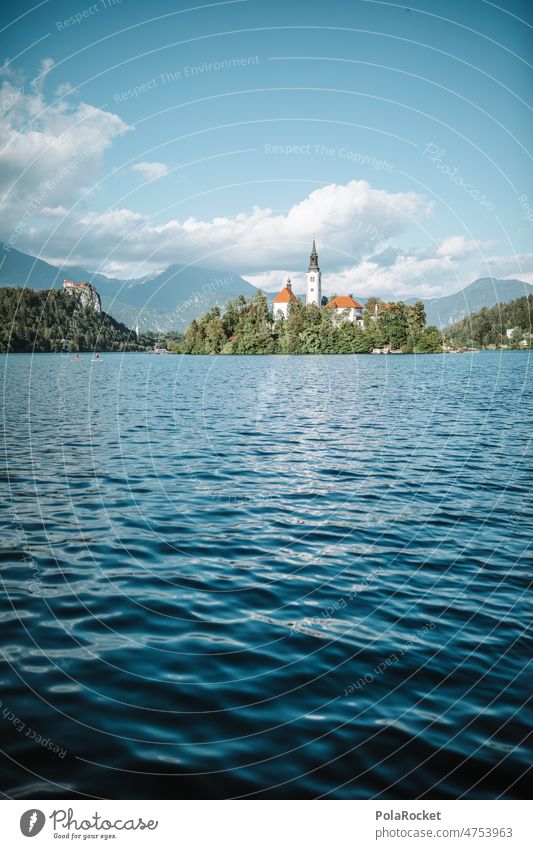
(53, 320)
(488, 327)
(245, 327)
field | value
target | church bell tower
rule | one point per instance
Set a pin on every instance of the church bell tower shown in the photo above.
(313, 280)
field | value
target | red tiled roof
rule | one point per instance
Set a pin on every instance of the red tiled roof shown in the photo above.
(344, 302)
(285, 296)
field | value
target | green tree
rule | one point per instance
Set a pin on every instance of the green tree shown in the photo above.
(295, 325)
(215, 338)
(370, 308)
(429, 341)
(398, 326)
(362, 342)
(344, 337)
(488, 327)
(246, 327)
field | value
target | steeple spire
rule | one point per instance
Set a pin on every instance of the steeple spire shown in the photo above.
(313, 280)
(313, 262)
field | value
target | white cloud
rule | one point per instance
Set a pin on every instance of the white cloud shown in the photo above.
(273, 281)
(48, 152)
(409, 275)
(390, 272)
(525, 276)
(45, 67)
(63, 89)
(54, 211)
(9, 72)
(508, 267)
(459, 247)
(340, 216)
(51, 152)
(150, 170)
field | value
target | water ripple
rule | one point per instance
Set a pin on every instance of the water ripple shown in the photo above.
(266, 576)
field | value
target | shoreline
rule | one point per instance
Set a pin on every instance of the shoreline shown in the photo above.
(183, 354)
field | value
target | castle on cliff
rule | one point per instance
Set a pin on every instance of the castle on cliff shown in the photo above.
(88, 295)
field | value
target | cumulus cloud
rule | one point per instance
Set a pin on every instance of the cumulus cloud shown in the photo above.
(459, 247)
(427, 273)
(51, 152)
(410, 275)
(257, 239)
(150, 170)
(48, 151)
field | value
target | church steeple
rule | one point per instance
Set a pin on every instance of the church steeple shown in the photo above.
(313, 279)
(313, 261)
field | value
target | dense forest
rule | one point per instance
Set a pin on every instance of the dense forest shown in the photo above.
(488, 327)
(52, 320)
(245, 327)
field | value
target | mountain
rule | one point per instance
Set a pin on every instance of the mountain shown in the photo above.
(166, 300)
(485, 292)
(170, 299)
(18, 269)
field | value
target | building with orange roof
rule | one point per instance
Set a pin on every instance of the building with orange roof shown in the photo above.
(280, 304)
(346, 307)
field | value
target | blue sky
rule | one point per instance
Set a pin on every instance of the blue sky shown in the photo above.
(228, 134)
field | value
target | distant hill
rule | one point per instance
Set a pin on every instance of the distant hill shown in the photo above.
(51, 320)
(167, 300)
(170, 299)
(508, 324)
(485, 292)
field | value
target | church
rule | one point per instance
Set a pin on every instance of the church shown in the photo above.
(344, 307)
(313, 289)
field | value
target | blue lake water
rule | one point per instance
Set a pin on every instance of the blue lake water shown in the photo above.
(289, 577)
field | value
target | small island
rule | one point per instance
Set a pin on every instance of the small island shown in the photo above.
(335, 325)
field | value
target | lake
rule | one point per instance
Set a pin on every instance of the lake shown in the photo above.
(266, 577)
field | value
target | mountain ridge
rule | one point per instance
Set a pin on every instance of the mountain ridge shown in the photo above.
(170, 299)
(164, 300)
(483, 292)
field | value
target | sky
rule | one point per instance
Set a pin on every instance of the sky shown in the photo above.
(229, 134)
